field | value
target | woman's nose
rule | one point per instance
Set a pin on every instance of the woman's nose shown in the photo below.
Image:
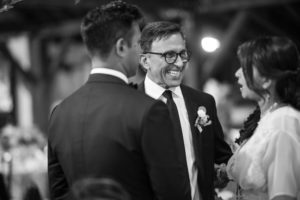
(237, 73)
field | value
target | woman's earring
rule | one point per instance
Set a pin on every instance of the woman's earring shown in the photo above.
(268, 97)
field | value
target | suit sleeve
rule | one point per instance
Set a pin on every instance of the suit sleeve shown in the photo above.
(58, 186)
(161, 155)
(57, 182)
(222, 149)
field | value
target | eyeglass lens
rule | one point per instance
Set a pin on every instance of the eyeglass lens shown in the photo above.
(172, 56)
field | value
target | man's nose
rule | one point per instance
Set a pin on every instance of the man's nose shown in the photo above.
(179, 62)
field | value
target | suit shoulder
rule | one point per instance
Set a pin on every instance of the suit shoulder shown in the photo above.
(140, 98)
(141, 95)
(70, 97)
(197, 93)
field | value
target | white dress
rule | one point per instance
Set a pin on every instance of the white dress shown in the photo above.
(268, 164)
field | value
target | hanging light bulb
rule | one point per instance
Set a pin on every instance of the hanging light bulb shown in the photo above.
(210, 44)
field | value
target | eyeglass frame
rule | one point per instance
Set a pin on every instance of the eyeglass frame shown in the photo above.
(177, 54)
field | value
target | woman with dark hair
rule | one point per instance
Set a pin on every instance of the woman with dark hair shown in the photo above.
(266, 165)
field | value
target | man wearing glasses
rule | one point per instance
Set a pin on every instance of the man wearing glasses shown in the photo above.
(165, 57)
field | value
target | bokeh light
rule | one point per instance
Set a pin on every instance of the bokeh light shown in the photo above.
(210, 44)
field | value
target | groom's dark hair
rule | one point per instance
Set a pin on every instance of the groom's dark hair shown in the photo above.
(103, 26)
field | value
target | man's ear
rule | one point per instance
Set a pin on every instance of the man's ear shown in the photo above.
(121, 47)
(144, 61)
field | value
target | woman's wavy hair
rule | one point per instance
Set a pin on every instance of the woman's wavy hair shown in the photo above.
(276, 58)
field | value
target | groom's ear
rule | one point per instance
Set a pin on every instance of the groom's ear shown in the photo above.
(121, 47)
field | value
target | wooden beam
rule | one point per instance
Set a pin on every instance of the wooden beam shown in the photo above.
(26, 74)
(66, 29)
(41, 91)
(13, 83)
(293, 13)
(266, 24)
(231, 5)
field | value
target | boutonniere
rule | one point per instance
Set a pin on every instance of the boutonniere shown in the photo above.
(202, 119)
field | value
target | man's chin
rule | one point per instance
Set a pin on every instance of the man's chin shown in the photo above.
(171, 84)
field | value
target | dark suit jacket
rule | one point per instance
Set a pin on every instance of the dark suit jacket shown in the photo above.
(107, 129)
(3, 190)
(209, 145)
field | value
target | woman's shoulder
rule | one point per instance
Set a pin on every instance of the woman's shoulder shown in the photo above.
(287, 110)
(284, 114)
(286, 120)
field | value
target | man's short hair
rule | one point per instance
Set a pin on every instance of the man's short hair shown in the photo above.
(156, 31)
(102, 27)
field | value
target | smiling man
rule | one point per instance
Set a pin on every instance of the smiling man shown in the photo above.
(165, 57)
(168, 73)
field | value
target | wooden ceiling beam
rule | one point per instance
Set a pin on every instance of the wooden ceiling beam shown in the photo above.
(65, 29)
(231, 5)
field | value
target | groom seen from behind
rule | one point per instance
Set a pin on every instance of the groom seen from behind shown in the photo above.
(108, 129)
(165, 57)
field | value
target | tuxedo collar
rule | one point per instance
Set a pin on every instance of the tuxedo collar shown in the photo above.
(191, 102)
(111, 72)
(155, 91)
(191, 105)
(104, 78)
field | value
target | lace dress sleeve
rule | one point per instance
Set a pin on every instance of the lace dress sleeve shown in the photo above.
(282, 159)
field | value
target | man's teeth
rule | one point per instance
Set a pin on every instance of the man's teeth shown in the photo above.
(174, 73)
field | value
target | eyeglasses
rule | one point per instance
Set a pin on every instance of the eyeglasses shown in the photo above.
(171, 56)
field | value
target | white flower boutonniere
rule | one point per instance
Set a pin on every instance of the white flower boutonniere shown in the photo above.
(202, 119)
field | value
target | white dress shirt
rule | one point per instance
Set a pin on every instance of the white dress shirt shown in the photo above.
(155, 91)
(111, 72)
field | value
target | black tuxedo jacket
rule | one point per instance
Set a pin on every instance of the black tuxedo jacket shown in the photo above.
(209, 145)
(107, 129)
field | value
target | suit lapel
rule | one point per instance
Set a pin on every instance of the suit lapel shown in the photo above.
(192, 105)
(178, 137)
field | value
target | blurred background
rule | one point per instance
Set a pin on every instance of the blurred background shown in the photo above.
(43, 60)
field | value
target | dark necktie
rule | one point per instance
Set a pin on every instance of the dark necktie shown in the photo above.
(179, 138)
(175, 119)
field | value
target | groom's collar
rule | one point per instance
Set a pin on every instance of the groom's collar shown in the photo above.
(111, 72)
